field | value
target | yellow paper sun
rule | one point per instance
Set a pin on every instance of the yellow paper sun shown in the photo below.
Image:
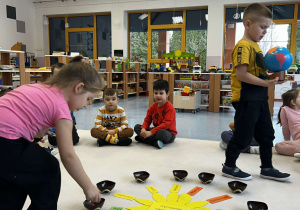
(172, 202)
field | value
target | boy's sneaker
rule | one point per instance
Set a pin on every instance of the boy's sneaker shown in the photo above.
(223, 145)
(51, 150)
(158, 144)
(235, 172)
(297, 155)
(254, 150)
(101, 142)
(273, 173)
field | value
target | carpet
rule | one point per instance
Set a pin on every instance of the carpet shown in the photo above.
(118, 164)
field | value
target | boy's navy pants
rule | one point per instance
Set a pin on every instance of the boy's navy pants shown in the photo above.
(252, 119)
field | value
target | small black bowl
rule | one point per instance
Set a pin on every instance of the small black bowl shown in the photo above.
(105, 186)
(91, 206)
(180, 175)
(237, 187)
(257, 205)
(206, 178)
(141, 176)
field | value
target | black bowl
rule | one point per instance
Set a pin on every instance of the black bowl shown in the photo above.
(206, 178)
(141, 176)
(256, 205)
(180, 175)
(237, 187)
(91, 206)
(105, 186)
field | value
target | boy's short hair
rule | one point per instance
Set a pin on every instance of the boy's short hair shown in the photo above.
(56, 66)
(161, 85)
(255, 11)
(77, 58)
(110, 92)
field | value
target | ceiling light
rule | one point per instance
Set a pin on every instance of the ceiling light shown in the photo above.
(143, 16)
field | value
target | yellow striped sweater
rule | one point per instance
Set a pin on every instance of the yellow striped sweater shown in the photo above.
(116, 119)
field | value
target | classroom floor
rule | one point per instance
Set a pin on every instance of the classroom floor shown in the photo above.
(202, 125)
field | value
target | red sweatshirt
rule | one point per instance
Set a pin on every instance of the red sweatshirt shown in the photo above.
(163, 117)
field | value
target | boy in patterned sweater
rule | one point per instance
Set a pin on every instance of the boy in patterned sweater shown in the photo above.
(111, 125)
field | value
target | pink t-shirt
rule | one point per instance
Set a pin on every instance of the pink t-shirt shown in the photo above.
(290, 122)
(31, 108)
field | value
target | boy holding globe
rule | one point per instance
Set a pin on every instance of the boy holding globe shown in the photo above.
(249, 84)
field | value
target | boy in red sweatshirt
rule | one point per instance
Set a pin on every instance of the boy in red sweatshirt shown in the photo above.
(163, 116)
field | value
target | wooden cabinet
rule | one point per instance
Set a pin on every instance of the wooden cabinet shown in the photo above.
(7, 75)
(136, 80)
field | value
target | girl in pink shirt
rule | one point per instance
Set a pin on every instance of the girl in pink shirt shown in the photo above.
(26, 169)
(289, 119)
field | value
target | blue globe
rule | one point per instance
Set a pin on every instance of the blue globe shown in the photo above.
(278, 59)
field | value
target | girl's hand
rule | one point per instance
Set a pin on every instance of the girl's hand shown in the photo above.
(93, 194)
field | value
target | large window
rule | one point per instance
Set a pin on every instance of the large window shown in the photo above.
(77, 34)
(196, 34)
(138, 36)
(165, 33)
(57, 34)
(279, 33)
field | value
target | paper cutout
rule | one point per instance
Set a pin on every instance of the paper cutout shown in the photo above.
(172, 202)
(152, 189)
(194, 191)
(172, 197)
(127, 197)
(175, 188)
(116, 208)
(219, 199)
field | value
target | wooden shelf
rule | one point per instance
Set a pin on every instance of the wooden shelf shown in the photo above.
(7, 79)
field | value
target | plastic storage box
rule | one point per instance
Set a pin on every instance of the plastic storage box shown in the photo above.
(187, 102)
(182, 83)
(200, 85)
(226, 101)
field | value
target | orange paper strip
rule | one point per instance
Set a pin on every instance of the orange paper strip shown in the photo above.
(219, 199)
(195, 191)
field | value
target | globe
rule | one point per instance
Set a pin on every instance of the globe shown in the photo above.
(278, 59)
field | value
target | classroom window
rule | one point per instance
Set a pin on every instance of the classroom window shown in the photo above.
(57, 34)
(196, 34)
(279, 33)
(138, 36)
(81, 22)
(164, 18)
(103, 38)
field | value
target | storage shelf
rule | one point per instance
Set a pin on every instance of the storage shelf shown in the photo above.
(225, 106)
(9, 71)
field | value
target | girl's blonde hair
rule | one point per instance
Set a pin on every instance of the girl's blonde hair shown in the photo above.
(287, 97)
(74, 73)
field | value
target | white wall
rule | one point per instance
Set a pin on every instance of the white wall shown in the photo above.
(8, 33)
(119, 9)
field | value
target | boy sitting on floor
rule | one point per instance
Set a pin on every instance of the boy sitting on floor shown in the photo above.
(163, 116)
(111, 125)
